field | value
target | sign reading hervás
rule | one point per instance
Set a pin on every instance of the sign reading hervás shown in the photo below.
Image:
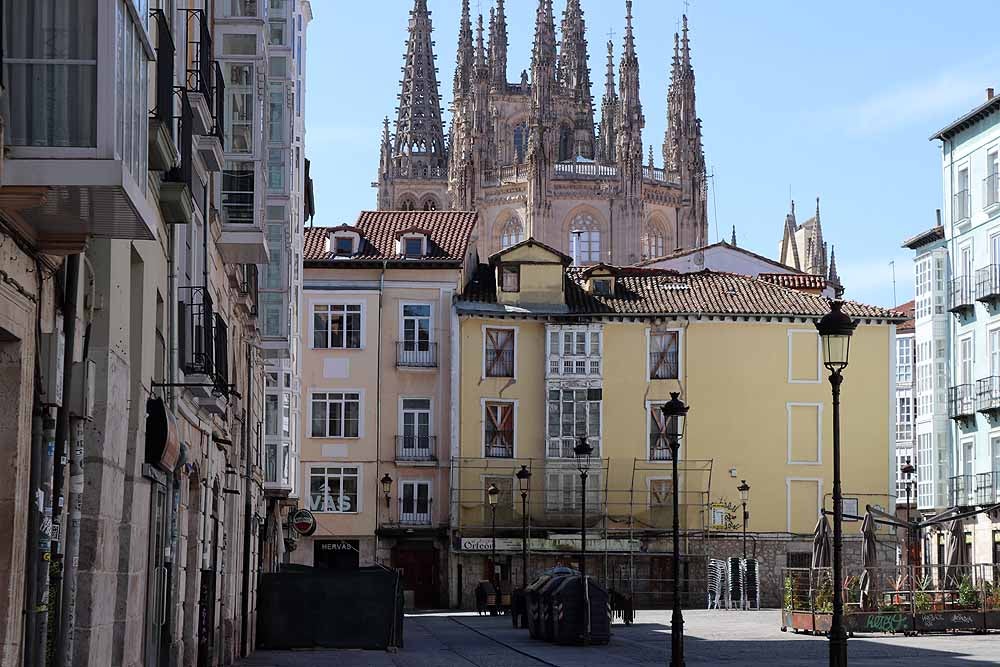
(303, 522)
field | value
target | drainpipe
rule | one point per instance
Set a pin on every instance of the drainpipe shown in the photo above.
(39, 537)
(378, 400)
(248, 508)
(455, 396)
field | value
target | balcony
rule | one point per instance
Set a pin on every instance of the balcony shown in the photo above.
(416, 354)
(988, 395)
(960, 206)
(499, 363)
(988, 284)
(162, 149)
(413, 448)
(961, 402)
(242, 239)
(499, 444)
(991, 191)
(176, 199)
(960, 295)
(247, 289)
(663, 366)
(960, 491)
(203, 346)
(210, 145)
(198, 80)
(988, 488)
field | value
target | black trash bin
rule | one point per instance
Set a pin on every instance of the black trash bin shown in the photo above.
(545, 595)
(533, 606)
(569, 617)
(486, 598)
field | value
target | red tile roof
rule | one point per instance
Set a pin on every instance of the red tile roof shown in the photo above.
(805, 281)
(641, 291)
(448, 236)
(909, 326)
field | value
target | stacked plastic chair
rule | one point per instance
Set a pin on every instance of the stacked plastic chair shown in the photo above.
(716, 582)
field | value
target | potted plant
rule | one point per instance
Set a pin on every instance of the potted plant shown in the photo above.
(922, 598)
(968, 595)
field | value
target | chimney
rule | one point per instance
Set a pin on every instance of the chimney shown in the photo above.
(989, 94)
(938, 211)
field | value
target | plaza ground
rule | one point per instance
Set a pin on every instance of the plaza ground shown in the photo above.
(711, 638)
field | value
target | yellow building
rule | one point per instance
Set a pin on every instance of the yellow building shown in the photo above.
(379, 390)
(550, 353)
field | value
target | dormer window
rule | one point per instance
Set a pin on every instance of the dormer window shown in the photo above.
(343, 245)
(413, 246)
(510, 278)
(602, 286)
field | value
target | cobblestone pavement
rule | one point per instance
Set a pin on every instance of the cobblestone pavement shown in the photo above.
(711, 638)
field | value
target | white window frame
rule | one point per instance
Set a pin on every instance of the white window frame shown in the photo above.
(900, 414)
(966, 363)
(323, 466)
(664, 477)
(904, 362)
(819, 356)
(401, 245)
(595, 487)
(588, 357)
(649, 428)
(430, 317)
(483, 375)
(595, 441)
(482, 426)
(312, 322)
(819, 432)
(431, 431)
(416, 482)
(650, 331)
(361, 414)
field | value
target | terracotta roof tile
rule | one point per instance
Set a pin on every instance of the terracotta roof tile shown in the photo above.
(806, 281)
(910, 325)
(449, 233)
(658, 291)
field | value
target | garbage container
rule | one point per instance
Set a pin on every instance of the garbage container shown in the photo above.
(569, 612)
(486, 598)
(533, 606)
(545, 594)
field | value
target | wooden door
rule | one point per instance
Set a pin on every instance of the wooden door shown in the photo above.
(420, 574)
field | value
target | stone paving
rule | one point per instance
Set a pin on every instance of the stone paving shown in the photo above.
(711, 638)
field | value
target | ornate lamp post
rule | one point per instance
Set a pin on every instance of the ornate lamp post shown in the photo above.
(744, 490)
(907, 469)
(524, 479)
(492, 494)
(835, 331)
(583, 450)
(675, 414)
(386, 482)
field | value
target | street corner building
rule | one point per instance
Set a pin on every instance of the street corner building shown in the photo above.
(551, 353)
(140, 189)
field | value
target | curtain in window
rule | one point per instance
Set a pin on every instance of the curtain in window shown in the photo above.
(51, 72)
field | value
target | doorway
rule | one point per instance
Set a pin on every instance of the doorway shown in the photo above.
(418, 562)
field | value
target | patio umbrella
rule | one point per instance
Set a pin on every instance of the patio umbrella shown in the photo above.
(955, 552)
(869, 556)
(821, 544)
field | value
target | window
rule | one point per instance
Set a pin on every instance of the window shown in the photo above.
(416, 327)
(499, 353)
(336, 415)
(430, 204)
(416, 427)
(337, 326)
(660, 429)
(661, 493)
(574, 351)
(276, 33)
(271, 462)
(960, 202)
(343, 245)
(246, 8)
(413, 246)
(415, 502)
(991, 186)
(562, 490)
(585, 240)
(239, 108)
(286, 415)
(572, 414)
(995, 460)
(238, 192)
(654, 243)
(904, 360)
(994, 340)
(276, 170)
(520, 142)
(565, 143)
(511, 233)
(277, 67)
(276, 114)
(271, 414)
(510, 278)
(663, 357)
(904, 418)
(334, 489)
(603, 286)
(965, 361)
(239, 45)
(922, 289)
(498, 430)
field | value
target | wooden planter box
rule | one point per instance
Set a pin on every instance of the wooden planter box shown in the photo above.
(800, 621)
(879, 621)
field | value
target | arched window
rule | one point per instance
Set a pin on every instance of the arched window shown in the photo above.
(654, 241)
(565, 143)
(511, 233)
(430, 204)
(585, 240)
(407, 204)
(520, 141)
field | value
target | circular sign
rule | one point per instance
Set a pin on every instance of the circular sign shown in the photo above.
(303, 522)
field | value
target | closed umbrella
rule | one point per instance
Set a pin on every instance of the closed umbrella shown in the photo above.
(955, 552)
(821, 544)
(869, 556)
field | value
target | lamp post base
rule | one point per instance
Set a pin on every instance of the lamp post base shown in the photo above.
(677, 639)
(838, 648)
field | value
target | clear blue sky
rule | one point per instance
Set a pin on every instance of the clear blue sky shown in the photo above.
(830, 99)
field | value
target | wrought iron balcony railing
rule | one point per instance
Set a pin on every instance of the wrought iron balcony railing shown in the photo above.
(960, 402)
(499, 363)
(961, 296)
(991, 190)
(416, 447)
(500, 444)
(988, 488)
(164, 111)
(203, 338)
(960, 206)
(988, 283)
(184, 171)
(416, 354)
(199, 73)
(414, 515)
(960, 491)
(988, 394)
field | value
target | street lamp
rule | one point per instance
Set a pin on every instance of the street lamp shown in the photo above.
(492, 493)
(674, 415)
(907, 469)
(386, 488)
(524, 479)
(835, 331)
(744, 490)
(583, 450)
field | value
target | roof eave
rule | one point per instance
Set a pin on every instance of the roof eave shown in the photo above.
(965, 122)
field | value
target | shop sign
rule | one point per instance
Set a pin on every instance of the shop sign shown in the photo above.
(303, 522)
(565, 543)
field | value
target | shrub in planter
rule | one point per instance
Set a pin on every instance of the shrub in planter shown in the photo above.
(968, 595)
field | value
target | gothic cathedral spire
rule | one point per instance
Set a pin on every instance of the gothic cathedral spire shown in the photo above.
(498, 47)
(683, 154)
(541, 135)
(465, 54)
(630, 118)
(606, 147)
(574, 71)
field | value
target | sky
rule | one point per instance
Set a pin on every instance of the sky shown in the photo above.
(810, 99)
